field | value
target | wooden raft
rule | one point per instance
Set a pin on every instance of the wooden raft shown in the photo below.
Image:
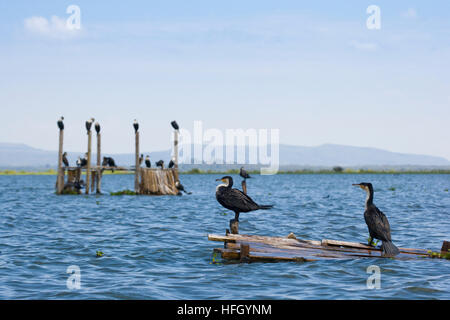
(252, 248)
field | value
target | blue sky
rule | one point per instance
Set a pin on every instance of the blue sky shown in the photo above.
(311, 69)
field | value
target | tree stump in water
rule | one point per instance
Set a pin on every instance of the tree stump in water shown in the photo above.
(234, 226)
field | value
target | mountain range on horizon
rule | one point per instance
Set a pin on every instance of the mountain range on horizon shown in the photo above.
(13, 155)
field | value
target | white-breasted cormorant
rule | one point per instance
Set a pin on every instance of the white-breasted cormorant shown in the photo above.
(141, 159)
(97, 127)
(160, 163)
(60, 123)
(64, 159)
(377, 223)
(136, 126)
(243, 173)
(234, 199)
(81, 162)
(89, 124)
(180, 187)
(175, 125)
(148, 164)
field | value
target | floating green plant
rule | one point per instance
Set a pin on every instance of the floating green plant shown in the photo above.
(99, 253)
(439, 255)
(70, 191)
(392, 189)
(446, 190)
(372, 243)
(124, 193)
(215, 259)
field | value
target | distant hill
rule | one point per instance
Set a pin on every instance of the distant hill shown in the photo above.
(23, 157)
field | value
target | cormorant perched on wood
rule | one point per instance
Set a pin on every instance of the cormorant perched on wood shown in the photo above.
(243, 173)
(160, 163)
(141, 158)
(61, 123)
(234, 199)
(148, 164)
(97, 127)
(89, 124)
(180, 187)
(171, 163)
(81, 162)
(136, 126)
(175, 125)
(377, 223)
(109, 162)
(64, 159)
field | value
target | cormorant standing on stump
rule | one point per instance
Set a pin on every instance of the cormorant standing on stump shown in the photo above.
(234, 199)
(171, 163)
(64, 159)
(243, 173)
(141, 158)
(377, 223)
(160, 163)
(61, 123)
(97, 127)
(148, 164)
(89, 124)
(175, 125)
(136, 126)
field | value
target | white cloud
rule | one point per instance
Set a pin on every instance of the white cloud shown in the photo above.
(55, 28)
(410, 13)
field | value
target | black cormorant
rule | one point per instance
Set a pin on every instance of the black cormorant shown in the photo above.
(136, 126)
(141, 159)
(180, 187)
(148, 164)
(160, 163)
(234, 199)
(377, 223)
(64, 159)
(97, 127)
(175, 125)
(89, 124)
(61, 123)
(171, 163)
(81, 162)
(243, 173)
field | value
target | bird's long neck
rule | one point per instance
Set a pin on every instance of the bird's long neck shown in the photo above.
(369, 198)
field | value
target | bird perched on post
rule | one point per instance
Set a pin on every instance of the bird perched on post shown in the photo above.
(136, 126)
(234, 199)
(148, 164)
(171, 163)
(175, 125)
(377, 223)
(180, 187)
(60, 123)
(160, 163)
(89, 124)
(64, 159)
(97, 127)
(243, 173)
(81, 162)
(141, 159)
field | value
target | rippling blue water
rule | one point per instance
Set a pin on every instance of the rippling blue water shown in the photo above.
(157, 247)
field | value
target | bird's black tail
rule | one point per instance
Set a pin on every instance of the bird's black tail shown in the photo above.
(266, 207)
(389, 249)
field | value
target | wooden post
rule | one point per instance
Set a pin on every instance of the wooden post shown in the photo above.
(88, 166)
(244, 186)
(244, 253)
(60, 177)
(234, 226)
(445, 247)
(137, 167)
(99, 156)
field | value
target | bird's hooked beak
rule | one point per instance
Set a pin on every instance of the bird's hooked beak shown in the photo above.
(359, 185)
(222, 179)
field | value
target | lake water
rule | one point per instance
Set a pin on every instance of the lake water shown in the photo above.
(157, 247)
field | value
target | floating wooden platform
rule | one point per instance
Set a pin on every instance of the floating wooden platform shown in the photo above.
(252, 248)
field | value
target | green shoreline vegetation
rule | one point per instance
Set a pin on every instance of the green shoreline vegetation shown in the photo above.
(336, 170)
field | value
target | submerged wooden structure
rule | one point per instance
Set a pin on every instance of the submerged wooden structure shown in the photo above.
(147, 181)
(254, 248)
